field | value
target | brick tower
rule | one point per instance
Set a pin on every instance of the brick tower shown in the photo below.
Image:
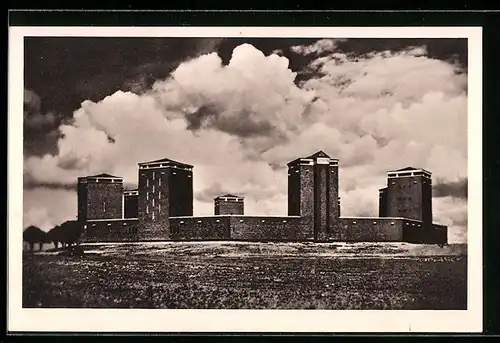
(313, 194)
(409, 194)
(100, 197)
(165, 190)
(228, 205)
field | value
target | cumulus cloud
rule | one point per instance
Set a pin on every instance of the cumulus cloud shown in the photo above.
(317, 48)
(240, 123)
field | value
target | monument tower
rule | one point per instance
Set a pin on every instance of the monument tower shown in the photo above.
(313, 194)
(165, 190)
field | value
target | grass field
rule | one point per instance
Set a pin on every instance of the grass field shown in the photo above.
(224, 275)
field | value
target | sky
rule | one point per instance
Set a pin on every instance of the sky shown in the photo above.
(239, 110)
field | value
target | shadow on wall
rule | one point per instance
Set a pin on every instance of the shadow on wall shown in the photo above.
(66, 234)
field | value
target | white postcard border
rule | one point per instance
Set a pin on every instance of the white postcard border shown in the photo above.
(138, 320)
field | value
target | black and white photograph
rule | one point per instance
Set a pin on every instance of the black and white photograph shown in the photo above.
(252, 170)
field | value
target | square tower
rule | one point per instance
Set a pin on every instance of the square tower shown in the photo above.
(313, 194)
(165, 190)
(228, 205)
(100, 197)
(409, 194)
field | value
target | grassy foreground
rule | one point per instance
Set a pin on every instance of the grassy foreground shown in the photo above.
(230, 275)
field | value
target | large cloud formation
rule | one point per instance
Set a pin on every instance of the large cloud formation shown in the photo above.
(240, 123)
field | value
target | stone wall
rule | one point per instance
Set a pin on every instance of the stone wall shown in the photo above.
(158, 230)
(355, 229)
(434, 234)
(255, 228)
(439, 234)
(244, 228)
(110, 230)
(200, 228)
(249, 228)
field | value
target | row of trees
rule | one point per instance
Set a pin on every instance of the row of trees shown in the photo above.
(66, 234)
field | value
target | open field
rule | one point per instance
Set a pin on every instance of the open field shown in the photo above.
(249, 275)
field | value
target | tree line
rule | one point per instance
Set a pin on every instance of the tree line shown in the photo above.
(66, 234)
